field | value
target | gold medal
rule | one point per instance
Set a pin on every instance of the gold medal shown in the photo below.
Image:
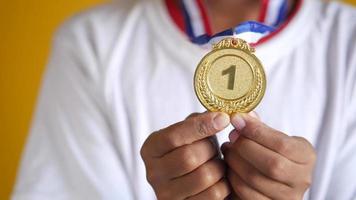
(230, 78)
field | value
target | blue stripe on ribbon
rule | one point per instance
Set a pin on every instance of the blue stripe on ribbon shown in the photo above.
(282, 13)
(188, 25)
(253, 26)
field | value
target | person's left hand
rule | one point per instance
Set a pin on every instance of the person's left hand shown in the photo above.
(265, 163)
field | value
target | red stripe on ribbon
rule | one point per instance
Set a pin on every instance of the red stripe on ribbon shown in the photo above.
(263, 11)
(204, 16)
(176, 14)
(283, 26)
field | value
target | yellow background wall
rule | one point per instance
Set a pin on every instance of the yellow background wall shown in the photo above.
(26, 27)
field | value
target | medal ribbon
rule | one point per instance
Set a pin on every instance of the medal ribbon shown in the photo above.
(273, 13)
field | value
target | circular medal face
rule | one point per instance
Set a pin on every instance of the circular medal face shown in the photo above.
(230, 78)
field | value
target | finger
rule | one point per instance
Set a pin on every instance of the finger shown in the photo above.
(253, 178)
(225, 146)
(234, 135)
(266, 161)
(187, 158)
(193, 115)
(218, 191)
(199, 180)
(242, 190)
(186, 132)
(306, 150)
(270, 138)
(254, 115)
(234, 197)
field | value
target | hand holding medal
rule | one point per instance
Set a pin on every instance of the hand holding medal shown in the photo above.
(182, 162)
(231, 79)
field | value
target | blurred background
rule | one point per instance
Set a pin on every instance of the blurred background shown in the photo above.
(26, 28)
(25, 32)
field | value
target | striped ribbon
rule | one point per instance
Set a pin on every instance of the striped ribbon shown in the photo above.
(273, 13)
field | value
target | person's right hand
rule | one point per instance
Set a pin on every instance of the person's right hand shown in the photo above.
(181, 162)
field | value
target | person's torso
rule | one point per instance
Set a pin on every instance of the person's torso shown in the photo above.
(147, 69)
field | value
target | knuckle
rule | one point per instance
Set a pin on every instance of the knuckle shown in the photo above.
(146, 144)
(205, 176)
(189, 161)
(312, 155)
(256, 131)
(216, 193)
(242, 143)
(171, 140)
(302, 140)
(285, 192)
(237, 186)
(307, 182)
(252, 177)
(164, 194)
(275, 168)
(284, 146)
(143, 152)
(202, 126)
(294, 196)
(186, 153)
(151, 177)
(192, 115)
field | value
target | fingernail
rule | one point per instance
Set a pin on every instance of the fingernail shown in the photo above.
(221, 120)
(238, 122)
(233, 136)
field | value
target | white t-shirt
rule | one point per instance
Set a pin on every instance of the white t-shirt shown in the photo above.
(122, 70)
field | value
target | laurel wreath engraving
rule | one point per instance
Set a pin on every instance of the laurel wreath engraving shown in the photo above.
(216, 103)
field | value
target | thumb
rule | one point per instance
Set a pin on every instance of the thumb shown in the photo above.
(254, 115)
(240, 120)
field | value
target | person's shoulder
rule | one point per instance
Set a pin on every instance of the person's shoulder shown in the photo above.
(93, 32)
(89, 37)
(341, 18)
(101, 15)
(337, 8)
(97, 24)
(337, 13)
(338, 22)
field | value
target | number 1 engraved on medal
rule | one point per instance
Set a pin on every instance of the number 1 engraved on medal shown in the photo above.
(231, 71)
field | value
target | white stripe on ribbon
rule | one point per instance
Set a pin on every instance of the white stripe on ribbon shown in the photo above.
(272, 12)
(250, 37)
(196, 19)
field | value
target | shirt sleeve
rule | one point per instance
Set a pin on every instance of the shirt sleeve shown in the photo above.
(69, 152)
